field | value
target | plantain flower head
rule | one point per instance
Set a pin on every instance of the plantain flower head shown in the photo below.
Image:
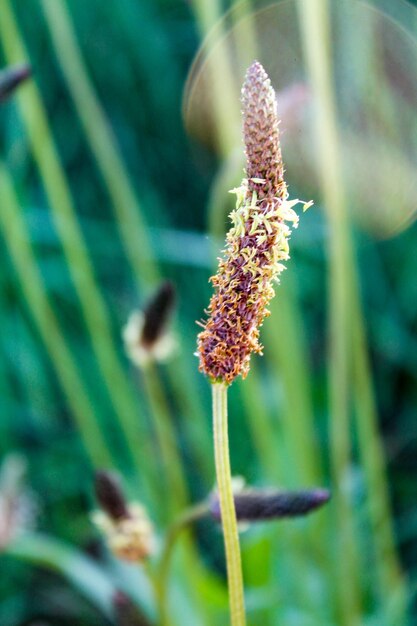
(257, 505)
(257, 243)
(146, 335)
(129, 533)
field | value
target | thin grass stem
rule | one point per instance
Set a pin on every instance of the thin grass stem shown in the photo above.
(391, 581)
(223, 90)
(127, 210)
(286, 352)
(161, 576)
(315, 29)
(21, 253)
(176, 494)
(172, 466)
(63, 211)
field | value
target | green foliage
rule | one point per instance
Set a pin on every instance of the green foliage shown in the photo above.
(102, 193)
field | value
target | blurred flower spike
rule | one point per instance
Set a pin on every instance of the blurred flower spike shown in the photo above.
(126, 613)
(146, 336)
(11, 78)
(257, 243)
(125, 525)
(256, 505)
(17, 505)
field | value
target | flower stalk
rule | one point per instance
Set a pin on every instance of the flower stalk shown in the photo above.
(190, 515)
(227, 507)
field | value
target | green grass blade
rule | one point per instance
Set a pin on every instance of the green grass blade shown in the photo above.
(16, 238)
(82, 273)
(128, 212)
(314, 26)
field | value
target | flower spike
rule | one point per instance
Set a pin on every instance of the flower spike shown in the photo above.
(257, 243)
(128, 532)
(256, 505)
(146, 335)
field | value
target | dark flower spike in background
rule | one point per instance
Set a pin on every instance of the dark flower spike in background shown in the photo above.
(146, 334)
(11, 77)
(126, 613)
(157, 314)
(256, 505)
(125, 525)
(256, 244)
(110, 495)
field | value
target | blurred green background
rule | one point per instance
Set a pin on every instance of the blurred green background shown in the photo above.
(116, 160)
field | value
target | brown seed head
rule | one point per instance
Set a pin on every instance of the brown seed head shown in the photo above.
(256, 244)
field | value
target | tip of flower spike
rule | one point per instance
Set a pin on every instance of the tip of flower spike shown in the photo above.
(256, 68)
(255, 75)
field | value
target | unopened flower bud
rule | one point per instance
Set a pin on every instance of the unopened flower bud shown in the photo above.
(257, 243)
(11, 78)
(125, 525)
(145, 335)
(257, 505)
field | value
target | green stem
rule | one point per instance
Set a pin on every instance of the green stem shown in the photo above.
(176, 494)
(219, 71)
(227, 506)
(172, 467)
(392, 591)
(314, 19)
(263, 427)
(161, 579)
